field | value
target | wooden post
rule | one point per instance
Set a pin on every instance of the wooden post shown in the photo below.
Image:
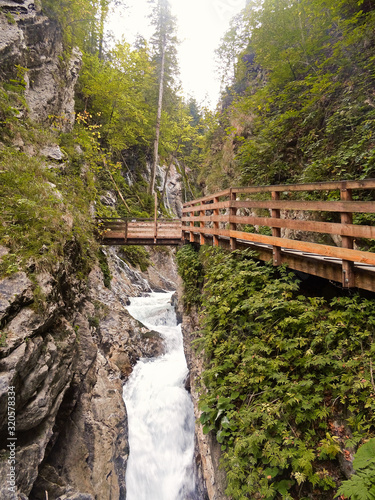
(232, 225)
(126, 231)
(216, 224)
(191, 239)
(156, 218)
(201, 225)
(276, 231)
(348, 278)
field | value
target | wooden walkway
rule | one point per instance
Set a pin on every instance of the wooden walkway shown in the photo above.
(116, 231)
(320, 228)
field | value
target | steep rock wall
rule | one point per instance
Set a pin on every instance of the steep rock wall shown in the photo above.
(31, 48)
(66, 360)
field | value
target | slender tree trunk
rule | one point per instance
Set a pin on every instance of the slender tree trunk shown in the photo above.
(103, 15)
(158, 120)
(165, 181)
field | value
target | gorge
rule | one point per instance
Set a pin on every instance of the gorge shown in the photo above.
(278, 379)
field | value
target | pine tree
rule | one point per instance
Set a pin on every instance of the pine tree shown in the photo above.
(164, 43)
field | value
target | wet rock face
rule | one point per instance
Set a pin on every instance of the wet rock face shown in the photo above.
(71, 423)
(31, 48)
(123, 339)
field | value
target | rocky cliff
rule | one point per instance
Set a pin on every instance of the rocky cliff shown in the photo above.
(65, 360)
(32, 53)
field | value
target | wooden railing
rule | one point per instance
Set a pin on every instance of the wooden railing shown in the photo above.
(125, 231)
(228, 214)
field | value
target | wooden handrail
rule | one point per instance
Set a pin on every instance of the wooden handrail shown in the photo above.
(222, 207)
(313, 186)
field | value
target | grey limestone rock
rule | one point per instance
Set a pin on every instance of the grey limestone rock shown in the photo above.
(15, 292)
(34, 42)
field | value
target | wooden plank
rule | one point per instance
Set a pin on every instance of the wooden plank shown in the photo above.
(324, 206)
(276, 231)
(208, 230)
(313, 186)
(232, 225)
(355, 231)
(207, 198)
(211, 206)
(304, 246)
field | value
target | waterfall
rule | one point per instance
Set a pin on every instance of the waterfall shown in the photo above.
(160, 411)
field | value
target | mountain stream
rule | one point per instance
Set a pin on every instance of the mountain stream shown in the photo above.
(160, 411)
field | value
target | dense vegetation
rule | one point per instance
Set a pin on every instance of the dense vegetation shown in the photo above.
(288, 386)
(298, 103)
(110, 147)
(42, 210)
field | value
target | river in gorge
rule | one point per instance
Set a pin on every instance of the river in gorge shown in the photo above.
(160, 411)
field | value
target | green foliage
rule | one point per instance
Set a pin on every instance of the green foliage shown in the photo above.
(361, 486)
(83, 21)
(298, 106)
(190, 270)
(104, 266)
(137, 256)
(3, 338)
(35, 207)
(281, 370)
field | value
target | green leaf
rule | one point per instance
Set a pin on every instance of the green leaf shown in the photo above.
(365, 455)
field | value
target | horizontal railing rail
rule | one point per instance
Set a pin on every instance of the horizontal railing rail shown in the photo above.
(233, 214)
(142, 229)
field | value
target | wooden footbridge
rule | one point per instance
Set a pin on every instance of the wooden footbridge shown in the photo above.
(325, 229)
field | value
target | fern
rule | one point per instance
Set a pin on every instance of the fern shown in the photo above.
(361, 486)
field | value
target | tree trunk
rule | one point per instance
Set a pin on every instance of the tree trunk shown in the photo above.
(158, 120)
(165, 181)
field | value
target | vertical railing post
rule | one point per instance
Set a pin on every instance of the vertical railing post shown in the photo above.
(156, 218)
(201, 225)
(126, 230)
(348, 278)
(276, 231)
(191, 238)
(232, 225)
(216, 224)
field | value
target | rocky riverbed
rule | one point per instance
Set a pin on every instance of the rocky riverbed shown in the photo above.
(67, 363)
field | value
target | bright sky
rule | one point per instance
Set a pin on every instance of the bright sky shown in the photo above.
(201, 25)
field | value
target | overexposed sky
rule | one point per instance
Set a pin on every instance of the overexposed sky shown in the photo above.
(201, 25)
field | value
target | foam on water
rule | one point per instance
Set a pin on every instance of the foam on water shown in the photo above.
(160, 411)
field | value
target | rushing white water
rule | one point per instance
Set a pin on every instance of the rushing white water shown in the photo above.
(160, 411)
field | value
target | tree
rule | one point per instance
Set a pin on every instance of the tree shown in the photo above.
(164, 43)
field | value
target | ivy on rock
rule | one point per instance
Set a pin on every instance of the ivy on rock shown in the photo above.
(288, 381)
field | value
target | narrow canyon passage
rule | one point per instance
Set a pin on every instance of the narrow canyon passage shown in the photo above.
(160, 411)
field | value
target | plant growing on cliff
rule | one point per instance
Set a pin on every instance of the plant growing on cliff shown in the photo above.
(190, 270)
(361, 486)
(297, 104)
(288, 384)
(136, 256)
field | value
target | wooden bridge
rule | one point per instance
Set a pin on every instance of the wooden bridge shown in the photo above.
(324, 229)
(117, 231)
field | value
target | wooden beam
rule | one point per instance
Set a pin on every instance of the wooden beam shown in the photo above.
(354, 230)
(313, 186)
(276, 231)
(211, 206)
(303, 246)
(216, 223)
(323, 206)
(232, 213)
(348, 279)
